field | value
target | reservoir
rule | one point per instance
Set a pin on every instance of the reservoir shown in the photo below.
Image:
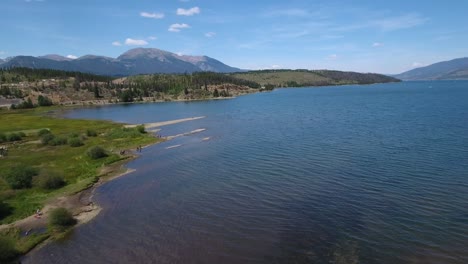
(346, 174)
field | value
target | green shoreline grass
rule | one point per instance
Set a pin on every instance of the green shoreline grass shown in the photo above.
(73, 164)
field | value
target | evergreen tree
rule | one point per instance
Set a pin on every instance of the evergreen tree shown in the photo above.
(96, 92)
(215, 93)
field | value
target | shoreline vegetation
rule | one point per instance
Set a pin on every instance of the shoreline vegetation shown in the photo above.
(67, 159)
(26, 88)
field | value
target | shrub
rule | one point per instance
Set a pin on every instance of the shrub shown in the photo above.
(13, 137)
(74, 135)
(141, 129)
(61, 217)
(46, 138)
(91, 133)
(5, 209)
(24, 105)
(57, 141)
(44, 101)
(22, 134)
(43, 132)
(20, 177)
(75, 142)
(3, 137)
(7, 250)
(51, 181)
(96, 152)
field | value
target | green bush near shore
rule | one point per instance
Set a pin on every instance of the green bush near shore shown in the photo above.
(51, 181)
(97, 152)
(91, 133)
(20, 177)
(43, 132)
(75, 142)
(7, 250)
(141, 129)
(58, 141)
(5, 209)
(13, 137)
(46, 138)
(61, 218)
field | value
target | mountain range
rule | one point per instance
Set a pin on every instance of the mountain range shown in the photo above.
(132, 62)
(456, 69)
(151, 60)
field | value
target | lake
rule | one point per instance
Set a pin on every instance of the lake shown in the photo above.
(348, 174)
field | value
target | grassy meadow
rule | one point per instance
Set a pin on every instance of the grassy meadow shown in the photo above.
(45, 146)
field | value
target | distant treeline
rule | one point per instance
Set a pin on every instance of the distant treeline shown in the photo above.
(125, 89)
(189, 85)
(16, 75)
(303, 78)
(174, 83)
(360, 78)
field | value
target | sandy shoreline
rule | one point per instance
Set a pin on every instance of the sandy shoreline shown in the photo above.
(166, 123)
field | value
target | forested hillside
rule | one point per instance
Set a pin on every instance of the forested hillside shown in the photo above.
(36, 86)
(301, 78)
(25, 87)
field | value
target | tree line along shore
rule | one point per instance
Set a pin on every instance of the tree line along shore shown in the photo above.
(27, 88)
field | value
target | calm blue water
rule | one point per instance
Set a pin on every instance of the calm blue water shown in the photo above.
(351, 174)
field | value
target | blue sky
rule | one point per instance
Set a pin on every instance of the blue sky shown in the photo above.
(365, 36)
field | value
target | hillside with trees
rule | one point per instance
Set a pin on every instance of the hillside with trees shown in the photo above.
(45, 87)
(302, 78)
(27, 88)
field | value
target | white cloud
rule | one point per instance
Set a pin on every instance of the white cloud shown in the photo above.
(135, 42)
(400, 22)
(152, 15)
(384, 24)
(180, 53)
(116, 43)
(188, 12)
(210, 34)
(418, 64)
(377, 44)
(177, 27)
(293, 12)
(275, 66)
(152, 38)
(332, 57)
(72, 57)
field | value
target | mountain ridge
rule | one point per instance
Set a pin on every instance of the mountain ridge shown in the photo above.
(132, 62)
(455, 69)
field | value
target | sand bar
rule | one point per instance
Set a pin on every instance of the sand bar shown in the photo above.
(166, 123)
(186, 134)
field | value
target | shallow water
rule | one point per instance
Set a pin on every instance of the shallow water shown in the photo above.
(350, 174)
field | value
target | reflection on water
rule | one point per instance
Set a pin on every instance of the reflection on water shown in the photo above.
(370, 174)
